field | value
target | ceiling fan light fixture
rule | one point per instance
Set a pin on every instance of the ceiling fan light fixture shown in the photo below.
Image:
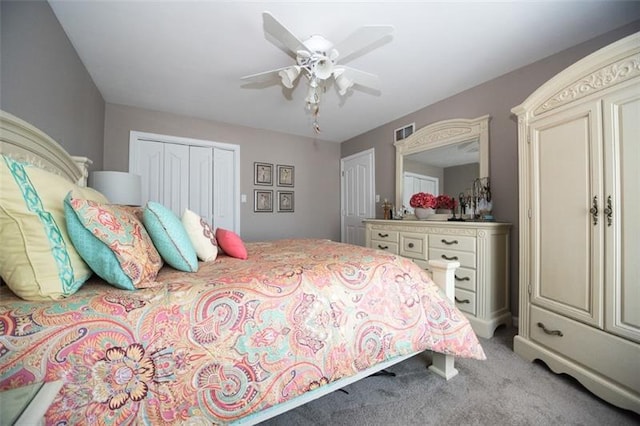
(343, 83)
(289, 75)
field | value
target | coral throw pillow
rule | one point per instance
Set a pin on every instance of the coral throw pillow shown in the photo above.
(231, 243)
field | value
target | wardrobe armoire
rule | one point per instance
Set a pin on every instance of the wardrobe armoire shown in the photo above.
(579, 171)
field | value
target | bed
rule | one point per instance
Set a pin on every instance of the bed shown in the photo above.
(238, 341)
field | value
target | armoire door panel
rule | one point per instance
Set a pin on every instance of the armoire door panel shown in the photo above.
(567, 151)
(622, 150)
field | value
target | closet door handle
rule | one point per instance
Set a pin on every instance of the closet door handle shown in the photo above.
(462, 279)
(550, 332)
(445, 257)
(410, 245)
(382, 247)
(462, 301)
(381, 235)
(594, 210)
(449, 242)
(608, 211)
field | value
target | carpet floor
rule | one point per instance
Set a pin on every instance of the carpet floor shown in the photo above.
(504, 390)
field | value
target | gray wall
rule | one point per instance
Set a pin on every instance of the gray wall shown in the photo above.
(317, 168)
(496, 98)
(43, 81)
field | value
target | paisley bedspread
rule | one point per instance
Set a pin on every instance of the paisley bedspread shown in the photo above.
(234, 338)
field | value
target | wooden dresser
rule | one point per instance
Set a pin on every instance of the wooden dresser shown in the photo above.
(482, 248)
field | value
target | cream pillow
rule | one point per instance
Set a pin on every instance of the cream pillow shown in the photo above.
(201, 236)
(37, 259)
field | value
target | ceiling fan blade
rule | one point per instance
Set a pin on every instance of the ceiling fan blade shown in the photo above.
(362, 78)
(278, 31)
(266, 75)
(360, 39)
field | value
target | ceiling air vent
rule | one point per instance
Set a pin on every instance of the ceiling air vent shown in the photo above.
(404, 132)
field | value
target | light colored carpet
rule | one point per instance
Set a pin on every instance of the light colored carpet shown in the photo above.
(504, 390)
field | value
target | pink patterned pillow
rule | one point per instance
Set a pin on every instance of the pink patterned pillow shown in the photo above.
(231, 243)
(113, 242)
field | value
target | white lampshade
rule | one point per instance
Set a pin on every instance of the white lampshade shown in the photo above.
(119, 187)
(343, 84)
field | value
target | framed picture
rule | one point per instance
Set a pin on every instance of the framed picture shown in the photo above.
(263, 174)
(263, 200)
(285, 201)
(285, 175)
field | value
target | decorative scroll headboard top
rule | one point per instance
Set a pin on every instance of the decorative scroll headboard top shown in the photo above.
(24, 142)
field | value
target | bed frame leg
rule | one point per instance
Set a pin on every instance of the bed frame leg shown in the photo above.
(443, 276)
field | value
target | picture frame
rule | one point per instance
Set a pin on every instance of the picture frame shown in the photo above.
(262, 173)
(285, 175)
(263, 200)
(285, 202)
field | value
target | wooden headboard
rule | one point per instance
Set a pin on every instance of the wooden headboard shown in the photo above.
(24, 142)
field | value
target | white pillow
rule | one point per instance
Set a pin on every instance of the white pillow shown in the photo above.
(201, 235)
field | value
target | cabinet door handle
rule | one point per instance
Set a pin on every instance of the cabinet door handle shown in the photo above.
(445, 257)
(594, 210)
(382, 247)
(608, 211)
(550, 332)
(462, 279)
(449, 242)
(410, 245)
(381, 235)
(462, 301)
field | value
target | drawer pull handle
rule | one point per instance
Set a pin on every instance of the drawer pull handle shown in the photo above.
(382, 247)
(449, 242)
(462, 279)
(410, 245)
(445, 257)
(382, 235)
(550, 332)
(462, 301)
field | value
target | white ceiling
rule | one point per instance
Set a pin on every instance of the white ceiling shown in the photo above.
(187, 57)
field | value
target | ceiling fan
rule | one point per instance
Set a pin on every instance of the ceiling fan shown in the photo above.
(317, 60)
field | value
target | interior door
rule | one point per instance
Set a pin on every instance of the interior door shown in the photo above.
(176, 177)
(358, 195)
(151, 169)
(201, 181)
(567, 240)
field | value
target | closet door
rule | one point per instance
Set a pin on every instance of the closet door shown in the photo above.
(224, 189)
(201, 181)
(151, 169)
(176, 177)
(567, 239)
(622, 155)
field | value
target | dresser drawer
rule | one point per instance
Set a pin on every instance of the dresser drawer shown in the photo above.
(604, 353)
(384, 235)
(466, 259)
(466, 301)
(465, 279)
(385, 245)
(452, 242)
(413, 245)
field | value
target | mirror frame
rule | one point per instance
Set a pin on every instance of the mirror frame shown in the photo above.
(439, 134)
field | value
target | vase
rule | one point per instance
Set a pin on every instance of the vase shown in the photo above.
(422, 213)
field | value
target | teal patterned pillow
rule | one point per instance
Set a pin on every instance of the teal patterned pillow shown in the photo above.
(170, 237)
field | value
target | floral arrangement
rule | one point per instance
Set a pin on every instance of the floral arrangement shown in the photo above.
(423, 200)
(429, 201)
(445, 202)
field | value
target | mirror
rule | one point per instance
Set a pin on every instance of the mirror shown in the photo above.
(442, 158)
